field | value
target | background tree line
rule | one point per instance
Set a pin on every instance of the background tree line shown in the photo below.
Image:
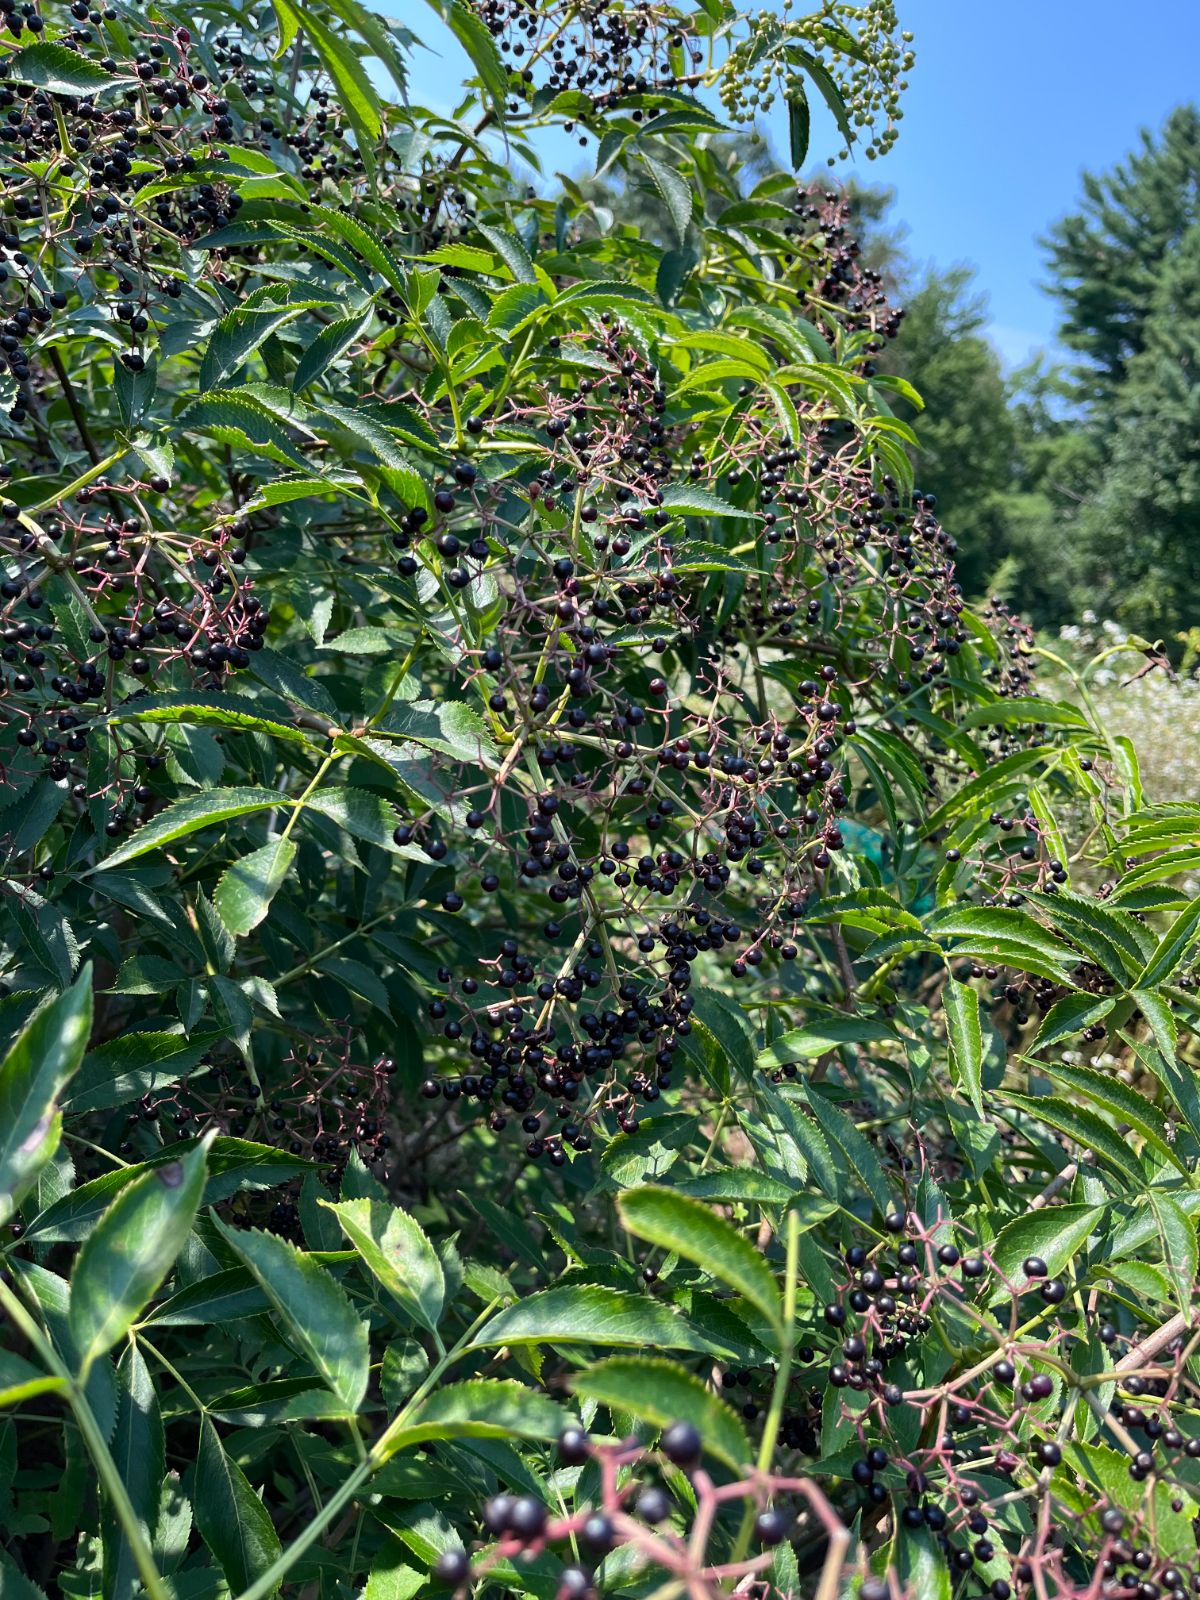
(1075, 486)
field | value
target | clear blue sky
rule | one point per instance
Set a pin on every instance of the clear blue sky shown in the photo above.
(1008, 104)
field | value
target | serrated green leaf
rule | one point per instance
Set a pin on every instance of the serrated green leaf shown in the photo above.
(41, 1061)
(1068, 1017)
(1172, 949)
(245, 890)
(1057, 1234)
(186, 816)
(231, 1519)
(51, 66)
(315, 1311)
(1088, 1130)
(480, 1408)
(126, 1257)
(1177, 1232)
(660, 1392)
(690, 1228)
(964, 1035)
(592, 1315)
(397, 1253)
(139, 1454)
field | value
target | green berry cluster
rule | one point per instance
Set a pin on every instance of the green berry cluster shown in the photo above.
(860, 49)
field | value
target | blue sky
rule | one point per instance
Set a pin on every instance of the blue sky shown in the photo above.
(1008, 104)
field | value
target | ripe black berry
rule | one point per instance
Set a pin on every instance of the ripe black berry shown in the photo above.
(681, 1443)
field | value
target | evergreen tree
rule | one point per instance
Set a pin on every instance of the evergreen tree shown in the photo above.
(1141, 526)
(1106, 257)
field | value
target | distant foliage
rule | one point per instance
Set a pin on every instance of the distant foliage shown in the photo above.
(1081, 491)
(577, 1022)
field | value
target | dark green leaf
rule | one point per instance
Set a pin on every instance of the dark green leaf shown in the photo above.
(138, 1451)
(244, 893)
(397, 1254)
(592, 1315)
(233, 1522)
(185, 816)
(965, 1038)
(1057, 1234)
(697, 1233)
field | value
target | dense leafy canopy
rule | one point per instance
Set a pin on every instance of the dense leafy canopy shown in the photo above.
(576, 1022)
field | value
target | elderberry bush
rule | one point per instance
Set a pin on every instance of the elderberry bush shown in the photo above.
(578, 1022)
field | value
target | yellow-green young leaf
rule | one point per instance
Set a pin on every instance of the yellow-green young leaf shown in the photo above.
(660, 1392)
(1056, 1234)
(965, 1036)
(130, 1251)
(232, 1520)
(244, 893)
(698, 1234)
(315, 1311)
(481, 1408)
(44, 1055)
(397, 1254)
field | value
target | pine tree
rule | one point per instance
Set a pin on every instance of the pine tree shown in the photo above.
(1141, 528)
(1107, 256)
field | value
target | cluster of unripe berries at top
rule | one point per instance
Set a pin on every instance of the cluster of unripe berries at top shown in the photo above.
(871, 77)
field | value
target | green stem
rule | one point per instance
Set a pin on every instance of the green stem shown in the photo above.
(401, 673)
(766, 1452)
(90, 476)
(298, 805)
(783, 1373)
(375, 1458)
(106, 1467)
(307, 965)
(272, 1577)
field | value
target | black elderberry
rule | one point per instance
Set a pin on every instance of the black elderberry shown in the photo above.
(598, 1533)
(771, 1526)
(682, 1444)
(653, 1505)
(527, 1518)
(452, 1567)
